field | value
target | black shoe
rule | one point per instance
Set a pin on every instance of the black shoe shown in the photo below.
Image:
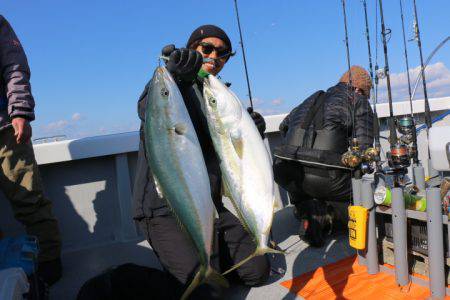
(50, 271)
(316, 222)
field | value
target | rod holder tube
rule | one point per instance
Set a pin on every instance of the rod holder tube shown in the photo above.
(435, 244)
(371, 247)
(357, 197)
(399, 231)
(419, 176)
(431, 171)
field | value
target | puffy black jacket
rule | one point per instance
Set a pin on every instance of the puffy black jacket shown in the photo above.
(338, 111)
(315, 171)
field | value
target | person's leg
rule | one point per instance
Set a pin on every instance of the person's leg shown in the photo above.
(237, 244)
(22, 185)
(177, 256)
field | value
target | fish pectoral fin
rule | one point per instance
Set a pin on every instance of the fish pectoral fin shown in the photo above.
(179, 128)
(238, 144)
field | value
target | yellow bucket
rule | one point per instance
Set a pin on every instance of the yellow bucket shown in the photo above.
(357, 224)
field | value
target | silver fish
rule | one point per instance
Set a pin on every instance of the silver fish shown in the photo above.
(176, 160)
(245, 162)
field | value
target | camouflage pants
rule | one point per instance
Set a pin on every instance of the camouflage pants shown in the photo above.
(21, 183)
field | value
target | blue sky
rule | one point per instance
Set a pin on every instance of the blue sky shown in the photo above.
(91, 59)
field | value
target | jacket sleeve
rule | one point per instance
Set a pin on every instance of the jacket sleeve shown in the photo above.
(15, 73)
(364, 123)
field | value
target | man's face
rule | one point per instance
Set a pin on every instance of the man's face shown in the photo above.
(216, 49)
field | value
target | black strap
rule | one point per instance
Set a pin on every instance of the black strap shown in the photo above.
(310, 116)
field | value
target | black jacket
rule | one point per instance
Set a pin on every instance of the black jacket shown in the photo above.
(315, 171)
(146, 201)
(338, 112)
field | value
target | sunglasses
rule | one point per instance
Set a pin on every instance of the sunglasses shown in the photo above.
(208, 48)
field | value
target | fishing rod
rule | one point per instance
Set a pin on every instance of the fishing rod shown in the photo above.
(243, 54)
(373, 152)
(398, 156)
(352, 158)
(422, 71)
(406, 124)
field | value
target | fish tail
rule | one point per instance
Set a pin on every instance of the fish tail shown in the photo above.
(210, 276)
(198, 279)
(258, 251)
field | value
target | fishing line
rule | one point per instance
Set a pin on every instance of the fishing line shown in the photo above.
(426, 64)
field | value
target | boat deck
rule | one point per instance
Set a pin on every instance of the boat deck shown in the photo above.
(299, 258)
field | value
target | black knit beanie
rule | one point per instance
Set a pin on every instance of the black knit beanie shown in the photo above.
(205, 31)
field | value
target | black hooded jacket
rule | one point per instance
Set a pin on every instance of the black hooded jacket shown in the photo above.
(146, 201)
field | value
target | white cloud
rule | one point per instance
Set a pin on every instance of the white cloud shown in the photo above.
(58, 125)
(438, 83)
(277, 101)
(76, 117)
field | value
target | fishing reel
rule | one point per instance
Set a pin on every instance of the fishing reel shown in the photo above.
(371, 154)
(352, 158)
(406, 127)
(398, 157)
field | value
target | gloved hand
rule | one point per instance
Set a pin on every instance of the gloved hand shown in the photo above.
(183, 63)
(259, 121)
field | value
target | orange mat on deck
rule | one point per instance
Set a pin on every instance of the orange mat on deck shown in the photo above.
(346, 279)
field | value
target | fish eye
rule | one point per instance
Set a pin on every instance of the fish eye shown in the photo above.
(164, 92)
(212, 101)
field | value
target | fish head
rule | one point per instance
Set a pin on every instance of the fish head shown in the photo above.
(222, 105)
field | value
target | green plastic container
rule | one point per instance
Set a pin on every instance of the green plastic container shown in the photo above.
(383, 196)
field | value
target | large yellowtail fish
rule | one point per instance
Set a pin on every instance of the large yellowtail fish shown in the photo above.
(244, 161)
(176, 160)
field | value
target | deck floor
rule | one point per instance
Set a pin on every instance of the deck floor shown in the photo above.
(81, 265)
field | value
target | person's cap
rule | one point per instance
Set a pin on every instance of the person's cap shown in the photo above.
(206, 31)
(360, 79)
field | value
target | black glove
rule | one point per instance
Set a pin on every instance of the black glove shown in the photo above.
(183, 63)
(259, 121)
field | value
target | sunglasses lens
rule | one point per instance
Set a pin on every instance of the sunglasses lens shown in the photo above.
(207, 49)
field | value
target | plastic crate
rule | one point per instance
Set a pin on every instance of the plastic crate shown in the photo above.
(19, 252)
(417, 233)
(13, 284)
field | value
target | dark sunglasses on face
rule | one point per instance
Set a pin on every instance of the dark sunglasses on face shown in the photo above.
(208, 48)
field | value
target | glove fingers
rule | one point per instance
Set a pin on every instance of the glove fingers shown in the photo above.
(198, 61)
(190, 61)
(167, 50)
(184, 57)
(175, 57)
(250, 110)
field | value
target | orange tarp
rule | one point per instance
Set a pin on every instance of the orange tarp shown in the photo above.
(346, 279)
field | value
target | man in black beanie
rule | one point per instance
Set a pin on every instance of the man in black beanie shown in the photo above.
(208, 48)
